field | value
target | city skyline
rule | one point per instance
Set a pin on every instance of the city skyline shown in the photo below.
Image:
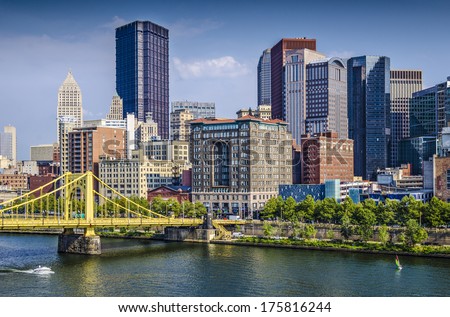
(214, 50)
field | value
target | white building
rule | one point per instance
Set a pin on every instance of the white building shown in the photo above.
(69, 103)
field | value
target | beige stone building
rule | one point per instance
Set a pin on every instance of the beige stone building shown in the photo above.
(70, 103)
(179, 124)
(237, 164)
(116, 109)
(135, 176)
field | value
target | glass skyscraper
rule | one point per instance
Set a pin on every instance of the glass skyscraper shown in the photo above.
(264, 78)
(142, 72)
(369, 121)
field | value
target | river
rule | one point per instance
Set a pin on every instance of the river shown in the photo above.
(156, 268)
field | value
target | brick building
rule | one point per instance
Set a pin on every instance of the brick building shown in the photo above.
(325, 156)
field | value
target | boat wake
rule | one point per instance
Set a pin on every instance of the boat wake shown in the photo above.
(41, 270)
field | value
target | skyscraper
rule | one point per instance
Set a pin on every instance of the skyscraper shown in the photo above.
(8, 144)
(294, 112)
(403, 84)
(142, 71)
(277, 61)
(368, 79)
(326, 97)
(264, 78)
(116, 109)
(70, 103)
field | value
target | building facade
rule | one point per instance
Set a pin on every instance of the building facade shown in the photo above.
(326, 97)
(262, 111)
(142, 71)
(198, 109)
(277, 63)
(8, 144)
(88, 146)
(135, 176)
(369, 117)
(43, 152)
(70, 104)
(237, 164)
(403, 84)
(294, 108)
(116, 109)
(179, 124)
(263, 73)
(325, 156)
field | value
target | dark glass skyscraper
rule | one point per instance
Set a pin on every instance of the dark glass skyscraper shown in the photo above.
(368, 79)
(264, 78)
(142, 71)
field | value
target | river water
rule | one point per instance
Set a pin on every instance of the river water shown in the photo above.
(155, 268)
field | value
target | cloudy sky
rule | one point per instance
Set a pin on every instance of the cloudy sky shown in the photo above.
(214, 48)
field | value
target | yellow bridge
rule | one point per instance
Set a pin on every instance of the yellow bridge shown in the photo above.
(59, 208)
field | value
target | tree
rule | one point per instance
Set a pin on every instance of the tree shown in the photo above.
(289, 210)
(383, 234)
(409, 208)
(267, 229)
(386, 212)
(270, 209)
(365, 218)
(414, 234)
(310, 231)
(325, 210)
(434, 213)
(347, 208)
(305, 209)
(346, 228)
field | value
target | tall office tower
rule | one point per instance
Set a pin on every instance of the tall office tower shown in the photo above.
(116, 109)
(326, 97)
(69, 103)
(403, 84)
(428, 115)
(294, 112)
(368, 79)
(142, 71)
(277, 61)
(179, 124)
(8, 144)
(264, 78)
(198, 109)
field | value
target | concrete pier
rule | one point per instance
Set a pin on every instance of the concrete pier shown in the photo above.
(69, 242)
(189, 234)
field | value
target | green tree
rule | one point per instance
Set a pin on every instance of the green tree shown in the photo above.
(414, 233)
(325, 210)
(305, 209)
(383, 234)
(364, 217)
(346, 227)
(409, 208)
(310, 231)
(330, 234)
(289, 210)
(270, 209)
(267, 229)
(347, 208)
(386, 212)
(434, 213)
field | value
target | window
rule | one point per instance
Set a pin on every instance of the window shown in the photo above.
(448, 179)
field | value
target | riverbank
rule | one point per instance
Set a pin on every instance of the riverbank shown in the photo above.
(343, 246)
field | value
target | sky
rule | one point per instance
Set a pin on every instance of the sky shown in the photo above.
(214, 48)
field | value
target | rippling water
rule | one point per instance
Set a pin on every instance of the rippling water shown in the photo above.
(153, 268)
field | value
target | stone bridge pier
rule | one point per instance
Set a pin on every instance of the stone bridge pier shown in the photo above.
(87, 243)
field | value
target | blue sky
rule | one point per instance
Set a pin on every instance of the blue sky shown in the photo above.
(214, 48)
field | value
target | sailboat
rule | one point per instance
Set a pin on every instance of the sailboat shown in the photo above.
(397, 262)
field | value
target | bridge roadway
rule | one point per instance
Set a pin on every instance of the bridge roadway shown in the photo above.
(60, 223)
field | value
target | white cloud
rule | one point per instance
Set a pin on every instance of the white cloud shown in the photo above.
(114, 23)
(222, 67)
(191, 27)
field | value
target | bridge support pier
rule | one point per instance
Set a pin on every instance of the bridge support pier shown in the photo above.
(87, 243)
